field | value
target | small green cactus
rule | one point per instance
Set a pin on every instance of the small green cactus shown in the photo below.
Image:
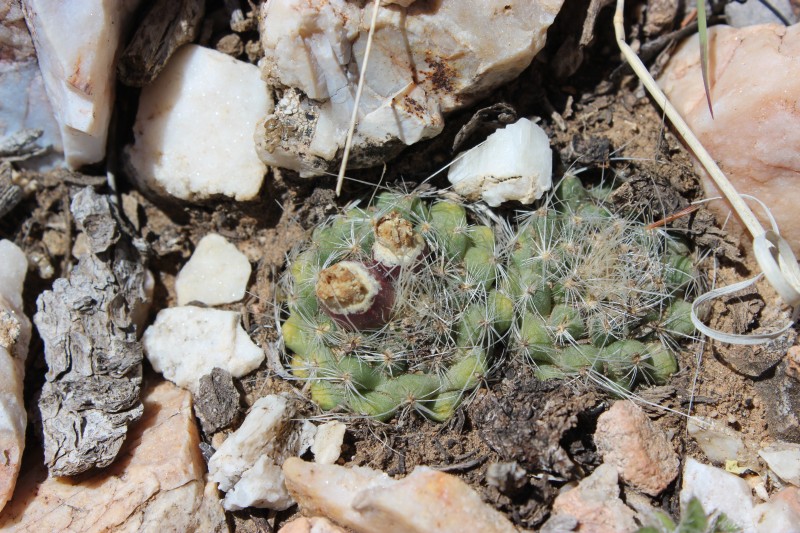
(596, 294)
(395, 306)
(402, 304)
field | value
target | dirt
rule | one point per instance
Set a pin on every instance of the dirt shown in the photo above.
(599, 129)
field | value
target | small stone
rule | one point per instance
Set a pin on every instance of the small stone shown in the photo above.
(328, 442)
(217, 401)
(751, 12)
(194, 128)
(15, 335)
(367, 500)
(754, 134)
(514, 163)
(642, 455)
(790, 496)
(508, 478)
(157, 480)
(231, 45)
(718, 490)
(718, 443)
(247, 466)
(783, 458)
(217, 273)
(595, 504)
(776, 517)
(186, 343)
(311, 525)
(79, 74)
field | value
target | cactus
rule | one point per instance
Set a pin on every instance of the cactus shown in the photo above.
(401, 305)
(596, 294)
(395, 307)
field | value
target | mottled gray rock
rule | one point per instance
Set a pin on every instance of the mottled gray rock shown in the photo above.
(217, 401)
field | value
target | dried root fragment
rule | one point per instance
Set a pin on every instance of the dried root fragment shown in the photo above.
(87, 324)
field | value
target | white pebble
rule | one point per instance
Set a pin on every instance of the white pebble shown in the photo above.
(195, 125)
(514, 163)
(328, 442)
(217, 273)
(783, 458)
(186, 343)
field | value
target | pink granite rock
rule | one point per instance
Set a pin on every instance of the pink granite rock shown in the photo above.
(639, 451)
(366, 500)
(755, 133)
(157, 480)
(311, 525)
(595, 504)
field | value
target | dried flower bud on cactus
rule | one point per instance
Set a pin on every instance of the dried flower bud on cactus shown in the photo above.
(355, 295)
(397, 244)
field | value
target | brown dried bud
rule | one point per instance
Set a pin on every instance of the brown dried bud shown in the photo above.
(397, 245)
(355, 295)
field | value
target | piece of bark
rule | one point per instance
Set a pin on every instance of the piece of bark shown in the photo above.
(168, 25)
(11, 194)
(217, 401)
(95, 361)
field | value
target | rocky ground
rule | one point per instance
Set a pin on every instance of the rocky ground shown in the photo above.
(549, 455)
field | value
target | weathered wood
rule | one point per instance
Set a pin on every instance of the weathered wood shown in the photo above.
(94, 358)
(168, 25)
(10, 193)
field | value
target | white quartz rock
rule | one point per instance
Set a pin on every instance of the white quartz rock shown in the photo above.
(783, 458)
(718, 443)
(76, 43)
(194, 128)
(24, 107)
(186, 343)
(718, 490)
(328, 442)
(217, 273)
(366, 500)
(423, 62)
(247, 466)
(15, 334)
(513, 163)
(755, 132)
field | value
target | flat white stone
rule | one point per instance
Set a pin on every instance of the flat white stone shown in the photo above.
(217, 273)
(15, 335)
(194, 128)
(186, 343)
(718, 490)
(451, 56)
(328, 442)
(247, 466)
(719, 444)
(513, 163)
(783, 458)
(76, 44)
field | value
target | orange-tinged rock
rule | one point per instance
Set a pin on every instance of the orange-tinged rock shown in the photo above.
(755, 133)
(367, 500)
(158, 479)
